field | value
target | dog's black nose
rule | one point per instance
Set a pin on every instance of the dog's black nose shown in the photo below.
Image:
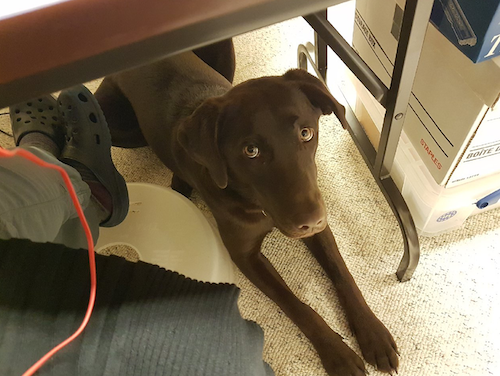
(313, 223)
(308, 226)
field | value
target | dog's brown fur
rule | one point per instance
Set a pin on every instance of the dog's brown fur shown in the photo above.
(205, 131)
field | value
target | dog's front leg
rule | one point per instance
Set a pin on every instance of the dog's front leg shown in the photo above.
(337, 358)
(376, 343)
(181, 186)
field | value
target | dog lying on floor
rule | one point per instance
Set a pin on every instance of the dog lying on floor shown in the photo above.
(249, 151)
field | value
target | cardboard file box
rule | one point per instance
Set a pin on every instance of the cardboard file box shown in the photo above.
(473, 26)
(453, 119)
(435, 209)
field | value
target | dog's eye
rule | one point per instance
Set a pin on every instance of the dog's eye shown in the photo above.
(251, 151)
(306, 134)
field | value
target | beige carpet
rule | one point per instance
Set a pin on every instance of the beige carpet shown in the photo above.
(445, 320)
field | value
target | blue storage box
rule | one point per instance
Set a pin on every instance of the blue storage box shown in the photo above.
(473, 26)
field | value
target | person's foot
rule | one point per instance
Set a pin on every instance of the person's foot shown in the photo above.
(37, 123)
(88, 150)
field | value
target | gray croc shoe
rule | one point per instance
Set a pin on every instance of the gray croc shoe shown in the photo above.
(88, 143)
(38, 115)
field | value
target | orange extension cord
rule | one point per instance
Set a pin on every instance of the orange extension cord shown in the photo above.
(93, 278)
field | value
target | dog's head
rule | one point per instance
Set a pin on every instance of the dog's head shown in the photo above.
(260, 139)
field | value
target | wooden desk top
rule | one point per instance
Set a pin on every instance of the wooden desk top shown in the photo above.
(75, 41)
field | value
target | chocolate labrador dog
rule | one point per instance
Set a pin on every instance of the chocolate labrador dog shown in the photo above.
(249, 151)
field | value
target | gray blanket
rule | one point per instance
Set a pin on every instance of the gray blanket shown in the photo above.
(146, 321)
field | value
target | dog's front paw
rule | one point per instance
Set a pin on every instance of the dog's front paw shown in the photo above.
(377, 345)
(338, 359)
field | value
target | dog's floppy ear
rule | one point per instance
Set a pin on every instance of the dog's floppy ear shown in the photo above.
(317, 93)
(198, 136)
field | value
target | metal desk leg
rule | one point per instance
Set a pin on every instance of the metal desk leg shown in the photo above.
(395, 100)
(415, 21)
(321, 50)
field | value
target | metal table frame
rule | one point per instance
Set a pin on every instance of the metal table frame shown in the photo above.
(394, 99)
